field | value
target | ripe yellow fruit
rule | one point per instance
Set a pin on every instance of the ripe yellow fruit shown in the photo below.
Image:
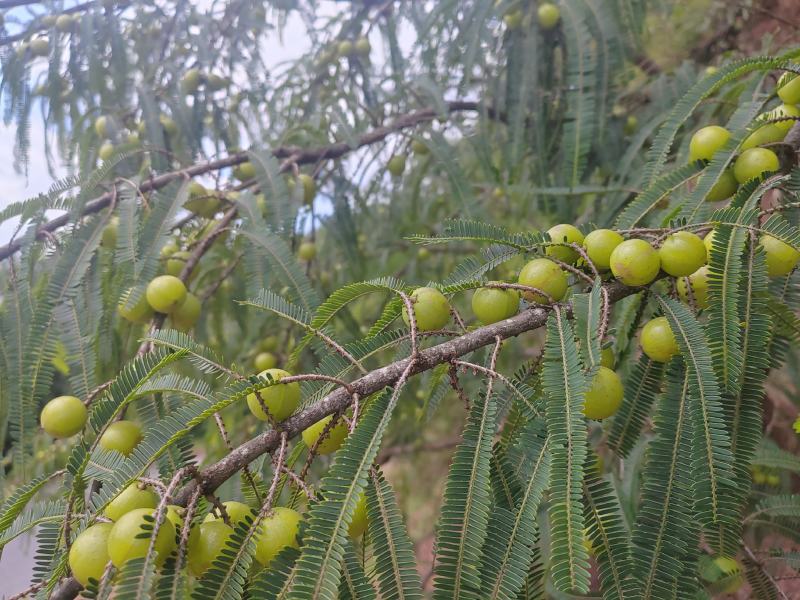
(186, 315)
(565, 234)
(658, 341)
(280, 399)
(548, 15)
(88, 554)
(121, 436)
(131, 498)
(431, 309)
(63, 416)
(753, 163)
(165, 293)
(545, 275)
(124, 543)
(781, 258)
(359, 523)
(635, 262)
(599, 245)
(264, 361)
(236, 511)
(333, 440)
(699, 285)
(278, 531)
(707, 141)
(109, 237)
(682, 253)
(604, 396)
(206, 542)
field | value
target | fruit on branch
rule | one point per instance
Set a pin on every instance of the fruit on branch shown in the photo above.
(131, 498)
(124, 543)
(277, 531)
(635, 262)
(190, 82)
(309, 187)
(658, 341)
(781, 258)
(64, 23)
(216, 82)
(784, 110)
(753, 163)
(109, 237)
(363, 47)
(359, 523)
(121, 436)
(63, 416)
(513, 19)
(706, 141)
(201, 201)
(491, 305)
(431, 309)
(333, 439)
(170, 248)
(345, 48)
(281, 399)
(599, 245)
(307, 251)
(396, 165)
(548, 15)
(165, 293)
(604, 396)
(419, 147)
(564, 234)
(187, 314)
(40, 46)
(766, 134)
(138, 313)
(175, 514)
(707, 242)
(206, 542)
(546, 276)
(245, 171)
(789, 88)
(88, 554)
(264, 361)
(101, 126)
(176, 262)
(699, 286)
(607, 357)
(724, 188)
(236, 511)
(106, 150)
(682, 253)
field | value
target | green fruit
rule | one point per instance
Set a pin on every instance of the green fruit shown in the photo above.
(206, 542)
(707, 242)
(165, 293)
(607, 357)
(658, 341)
(124, 543)
(47, 20)
(359, 523)
(491, 305)
(635, 262)
(309, 187)
(724, 188)
(109, 238)
(682, 253)
(64, 23)
(396, 165)
(568, 234)
(333, 440)
(236, 511)
(766, 134)
(169, 249)
(269, 343)
(63, 416)
(431, 309)
(264, 361)
(419, 147)
(423, 254)
(604, 397)
(190, 82)
(277, 531)
(175, 514)
(176, 262)
(784, 110)
(548, 15)
(707, 141)
(186, 315)
(121, 436)
(513, 19)
(307, 251)
(281, 399)
(216, 82)
(131, 498)
(202, 202)
(781, 258)
(724, 572)
(101, 127)
(789, 88)
(599, 245)
(40, 47)
(699, 285)
(345, 48)
(138, 313)
(245, 171)
(363, 46)
(546, 276)
(88, 554)
(631, 125)
(106, 151)
(755, 162)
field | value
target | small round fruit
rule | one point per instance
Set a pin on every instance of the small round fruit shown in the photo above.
(431, 309)
(599, 245)
(334, 438)
(190, 82)
(123, 543)
(658, 341)
(307, 251)
(753, 163)
(699, 284)
(707, 242)
(789, 88)
(280, 399)
(345, 48)
(706, 141)
(631, 125)
(176, 262)
(396, 165)
(604, 397)
(64, 23)
(165, 293)
(419, 147)
(766, 134)
(784, 110)
(131, 498)
(245, 171)
(635, 262)
(278, 531)
(682, 253)
(269, 343)
(546, 276)
(264, 361)
(206, 542)
(513, 19)
(63, 416)
(711, 69)
(781, 258)
(548, 15)
(101, 126)
(88, 554)
(564, 233)
(121, 436)
(363, 47)
(491, 305)
(723, 571)
(236, 511)
(186, 315)
(138, 313)
(40, 47)
(175, 514)
(724, 188)
(607, 357)
(359, 523)
(106, 151)
(109, 237)
(216, 82)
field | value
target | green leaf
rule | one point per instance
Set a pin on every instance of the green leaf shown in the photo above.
(641, 388)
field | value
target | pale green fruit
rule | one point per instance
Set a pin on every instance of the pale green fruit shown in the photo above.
(635, 262)
(88, 554)
(334, 438)
(280, 399)
(187, 314)
(431, 309)
(206, 542)
(278, 531)
(121, 436)
(124, 545)
(131, 498)
(568, 234)
(63, 416)
(546, 276)
(165, 293)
